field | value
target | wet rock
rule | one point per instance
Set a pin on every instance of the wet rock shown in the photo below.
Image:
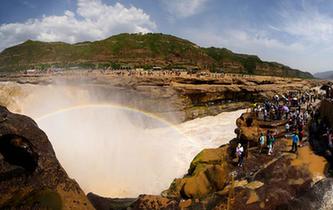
(147, 202)
(318, 197)
(102, 203)
(17, 151)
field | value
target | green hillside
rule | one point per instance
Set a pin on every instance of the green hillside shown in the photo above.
(137, 51)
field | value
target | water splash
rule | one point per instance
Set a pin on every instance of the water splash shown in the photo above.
(116, 151)
(112, 153)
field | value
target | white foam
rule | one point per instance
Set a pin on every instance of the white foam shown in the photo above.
(114, 152)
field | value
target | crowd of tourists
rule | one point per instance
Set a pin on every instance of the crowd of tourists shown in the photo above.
(282, 107)
(294, 110)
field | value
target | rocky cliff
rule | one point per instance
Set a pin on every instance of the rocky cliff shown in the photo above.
(29, 164)
(175, 98)
(30, 175)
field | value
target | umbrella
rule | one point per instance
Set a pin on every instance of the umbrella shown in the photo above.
(285, 108)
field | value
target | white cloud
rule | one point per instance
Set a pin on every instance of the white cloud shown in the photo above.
(300, 36)
(242, 40)
(184, 8)
(93, 20)
(254, 42)
(307, 23)
(28, 4)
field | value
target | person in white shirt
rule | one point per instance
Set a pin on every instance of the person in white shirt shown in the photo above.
(240, 154)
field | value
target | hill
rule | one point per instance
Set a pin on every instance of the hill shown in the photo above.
(138, 51)
(324, 75)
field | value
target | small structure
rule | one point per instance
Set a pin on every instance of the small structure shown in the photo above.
(157, 68)
(30, 71)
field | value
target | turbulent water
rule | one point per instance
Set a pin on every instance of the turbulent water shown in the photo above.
(113, 150)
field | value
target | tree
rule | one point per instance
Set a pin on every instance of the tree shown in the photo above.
(250, 65)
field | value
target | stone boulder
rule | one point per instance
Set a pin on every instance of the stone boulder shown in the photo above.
(249, 127)
(317, 197)
(209, 172)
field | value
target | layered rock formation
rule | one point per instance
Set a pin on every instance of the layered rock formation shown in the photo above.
(30, 175)
(176, 98)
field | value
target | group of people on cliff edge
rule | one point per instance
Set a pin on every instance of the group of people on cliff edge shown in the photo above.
(295, 110)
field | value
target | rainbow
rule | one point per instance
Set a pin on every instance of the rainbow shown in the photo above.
(113, 106)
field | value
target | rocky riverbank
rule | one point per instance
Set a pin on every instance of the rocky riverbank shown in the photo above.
(283, 180)
(213, 181)
(177, 98)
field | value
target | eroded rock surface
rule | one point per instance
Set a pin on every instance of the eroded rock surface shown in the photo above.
(208, 173)
(176, 98)
(30, 175)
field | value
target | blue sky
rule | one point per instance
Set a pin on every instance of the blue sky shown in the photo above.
(298, 33)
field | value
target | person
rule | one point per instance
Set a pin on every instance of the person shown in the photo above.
(276, 99)
(256, 111)
(270, 141)
(265, 114)
(268, 134)
(287, 126)
(300, 136)
(287, 114)
(306, 116)
(239, 154)
(295, 140)
(254, 106)
(330, 138)
(261, 142)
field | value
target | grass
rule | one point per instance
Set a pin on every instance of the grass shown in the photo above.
(137, 50)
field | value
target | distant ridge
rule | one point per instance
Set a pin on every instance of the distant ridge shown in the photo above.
(138, 51)
(324, 75)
